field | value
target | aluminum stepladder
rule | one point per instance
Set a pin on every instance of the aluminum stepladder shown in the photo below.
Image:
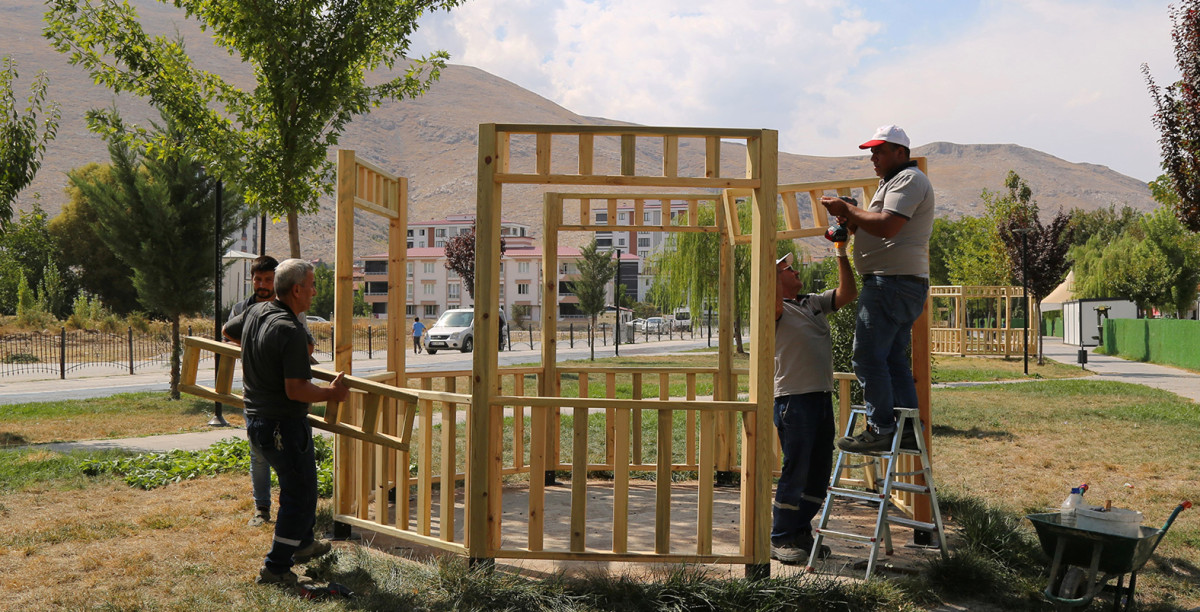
(905, 417)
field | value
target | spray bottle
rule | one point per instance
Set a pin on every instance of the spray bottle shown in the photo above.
(1074, 500)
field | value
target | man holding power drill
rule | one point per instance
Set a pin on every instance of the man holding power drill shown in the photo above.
(891, 253)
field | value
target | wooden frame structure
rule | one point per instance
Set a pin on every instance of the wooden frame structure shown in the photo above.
(952, 334)
(378, 451)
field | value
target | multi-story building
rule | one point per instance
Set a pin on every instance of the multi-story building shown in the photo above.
(431, 288)
(634, 274)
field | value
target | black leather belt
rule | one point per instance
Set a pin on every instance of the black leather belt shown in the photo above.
(908, 277)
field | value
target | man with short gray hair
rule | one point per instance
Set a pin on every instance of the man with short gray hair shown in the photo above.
(277, 382)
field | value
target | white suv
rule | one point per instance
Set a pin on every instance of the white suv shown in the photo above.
(455, 329)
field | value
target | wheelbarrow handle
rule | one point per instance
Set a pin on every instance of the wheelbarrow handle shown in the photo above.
(1171, 519)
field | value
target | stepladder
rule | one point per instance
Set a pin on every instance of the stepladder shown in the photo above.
(906, 469)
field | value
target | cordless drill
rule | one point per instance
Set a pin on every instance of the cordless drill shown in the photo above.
(837, 232)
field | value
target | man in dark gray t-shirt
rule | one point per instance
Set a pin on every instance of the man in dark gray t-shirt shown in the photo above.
(276, 378)
(803, 404)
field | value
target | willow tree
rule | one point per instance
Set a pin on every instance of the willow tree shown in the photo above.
(309, 60)
(684, 269)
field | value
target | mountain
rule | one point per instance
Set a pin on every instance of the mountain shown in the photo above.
(432, 141)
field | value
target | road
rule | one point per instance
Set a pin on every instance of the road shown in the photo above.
(44, 388)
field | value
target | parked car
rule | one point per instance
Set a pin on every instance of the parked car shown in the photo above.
(655, 325)
(682, 321)
(455, 329)
(638, 324)
(315, 319)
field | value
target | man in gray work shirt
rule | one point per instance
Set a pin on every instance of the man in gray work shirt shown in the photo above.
(803, 404)
(891, 253)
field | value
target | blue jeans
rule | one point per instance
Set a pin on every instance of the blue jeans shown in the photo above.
(887, 308)
(260, 479)
(287, 446)
(805, 426)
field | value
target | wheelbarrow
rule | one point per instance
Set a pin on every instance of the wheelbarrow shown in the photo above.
(1105, 556)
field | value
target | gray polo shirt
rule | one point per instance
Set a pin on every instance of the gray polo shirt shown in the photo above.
(909, 194)
(803, 347)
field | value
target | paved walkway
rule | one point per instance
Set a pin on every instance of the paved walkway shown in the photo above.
(1176, 380)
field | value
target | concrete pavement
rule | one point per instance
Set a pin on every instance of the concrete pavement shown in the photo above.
(1104, 367)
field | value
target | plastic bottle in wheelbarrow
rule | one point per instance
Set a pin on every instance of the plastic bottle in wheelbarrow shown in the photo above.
(1073, 501)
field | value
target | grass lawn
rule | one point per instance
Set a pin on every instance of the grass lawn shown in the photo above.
(949, 368)
(1000, 451)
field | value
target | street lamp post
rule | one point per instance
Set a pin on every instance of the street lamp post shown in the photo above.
(1024, 232)
(218, 419)
(617, 304)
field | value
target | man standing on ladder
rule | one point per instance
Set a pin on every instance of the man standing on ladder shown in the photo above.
(891, 253)
(804, 404)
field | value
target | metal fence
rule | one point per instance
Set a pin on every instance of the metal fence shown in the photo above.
(62, 352)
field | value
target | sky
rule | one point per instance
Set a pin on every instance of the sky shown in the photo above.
(1060, 76)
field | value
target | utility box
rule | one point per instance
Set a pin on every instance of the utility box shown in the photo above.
(1083, 319)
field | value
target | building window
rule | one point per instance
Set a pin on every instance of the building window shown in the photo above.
(643, 254)
(644, 243)
(410, 291)
(409, 265)
(622, 217)
(620, 242)
(408, 310)
(603, 243)
(441, 233)
(451, 273)
(439, 243)
(377, 288)
(523, 267)
(522, 288)
(431, 310)
(428, 288)
(375, 267)
(601, 217)
(429, 267)
(454, 289)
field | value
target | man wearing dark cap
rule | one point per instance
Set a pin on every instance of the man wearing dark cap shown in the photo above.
(891, 253)
(803, 404)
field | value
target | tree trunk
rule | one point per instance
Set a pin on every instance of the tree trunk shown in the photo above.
(1037, 307)
(293, 235)
(176, 352)
(592, 337)
(737, 334)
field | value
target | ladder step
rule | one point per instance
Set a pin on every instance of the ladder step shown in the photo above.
(866, 496)
(910, 488)
(907, 522)
(829, 533)
(916, 473)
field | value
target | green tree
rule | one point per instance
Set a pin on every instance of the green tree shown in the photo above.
(979, 256)
(29, 249)
(460, 258)
(24, 142)
(323, 282)
(596, 271)
(157, 217)
(101, 272)
(1108, 224)
(1181, 251)
(309, 58)
(1175, 115)
(1131, 268)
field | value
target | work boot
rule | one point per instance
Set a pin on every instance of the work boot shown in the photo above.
(315, 550)
(287, 579)
(867, 442)
(261, 517)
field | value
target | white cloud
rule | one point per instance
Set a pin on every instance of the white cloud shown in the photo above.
(1061, 76)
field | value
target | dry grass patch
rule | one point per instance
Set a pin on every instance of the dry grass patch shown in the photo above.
(1022, 446)
(949, 368)
(126, 415)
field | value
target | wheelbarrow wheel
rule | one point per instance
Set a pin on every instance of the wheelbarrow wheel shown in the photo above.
(1074, 584)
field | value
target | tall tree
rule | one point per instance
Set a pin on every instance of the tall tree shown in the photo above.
(1181, 250)
(1040, 250)
(1109, 223)
(310, 59)
(23, 141)
(460, 258)
(596, 271)
(101, 272)
(157, 216)
(1177, 114)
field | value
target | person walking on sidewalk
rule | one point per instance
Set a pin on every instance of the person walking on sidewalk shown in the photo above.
(418, 332)
(891, 253)
(277, 381)
(804, 404)
(262, 279)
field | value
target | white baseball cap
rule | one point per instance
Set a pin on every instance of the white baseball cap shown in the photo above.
(887, 133)
(786, 259)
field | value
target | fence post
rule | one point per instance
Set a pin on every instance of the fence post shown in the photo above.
(572, 335)
(604, 334)
(368, 342)
(530, 330)
(131, 351)
(62, 353)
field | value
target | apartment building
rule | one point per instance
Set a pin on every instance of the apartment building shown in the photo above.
(634, 274)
